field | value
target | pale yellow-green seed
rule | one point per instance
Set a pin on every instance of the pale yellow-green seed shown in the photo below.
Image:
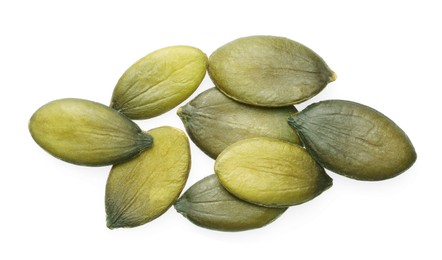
(142, 189)
(87, 133)
(159, 81)
(270, 172)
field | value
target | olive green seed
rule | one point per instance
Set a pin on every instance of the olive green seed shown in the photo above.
(208, 205)
(214, 121)
(268, 71)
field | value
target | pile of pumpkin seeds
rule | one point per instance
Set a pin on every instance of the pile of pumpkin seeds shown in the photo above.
(267, 155)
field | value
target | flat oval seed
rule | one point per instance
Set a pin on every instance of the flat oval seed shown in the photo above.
(159, 81)
(268, 71)
(354, 140)
(86, 133)
(270, 172)
(214, 121)
(142, 189)
(207, 204)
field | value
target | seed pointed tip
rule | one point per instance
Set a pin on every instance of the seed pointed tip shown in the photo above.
(293, 122)
(146, 140)
(178, 205)
(182, 113)
(179, 112)
(114, 223)
(333, 77)
(110, 223)
(328, 182)
(290, 118)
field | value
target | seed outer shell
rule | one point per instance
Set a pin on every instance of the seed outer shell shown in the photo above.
(88, 133)
(142, 189)
(270, 172)
(268, 71)
(213, 121)
(159, 81)
(354, 140)
(207, 204)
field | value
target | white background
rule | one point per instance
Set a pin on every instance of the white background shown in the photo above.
(387, 54)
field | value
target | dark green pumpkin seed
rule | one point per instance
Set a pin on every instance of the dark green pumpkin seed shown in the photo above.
(354, 140)
(214, 121)
(268, 71)
(209, 205)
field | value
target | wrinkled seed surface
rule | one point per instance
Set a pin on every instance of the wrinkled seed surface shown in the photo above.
(354, 140)
(214, 121)
(159, 81)
(142, 189)
(207, 204)
(268, 71)
(270, 172)
(87, 133)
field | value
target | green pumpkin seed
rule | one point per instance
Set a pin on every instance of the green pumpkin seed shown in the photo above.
(270, 172)
(214, 121)
(207, 204)
(86, 133)
(159, 81)
(268, 71)
(354, 140)
(142, 189)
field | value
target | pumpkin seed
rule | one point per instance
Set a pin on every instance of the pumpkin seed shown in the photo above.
(270, 172)
(142, 189)
(354, 140)
(214, 121)
(207, 204)
(86, 133)
(159, 81)
(268, 71)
